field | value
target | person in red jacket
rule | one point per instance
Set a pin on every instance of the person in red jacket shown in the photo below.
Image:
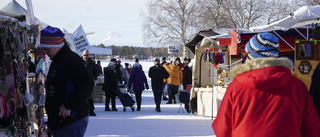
(264, 98)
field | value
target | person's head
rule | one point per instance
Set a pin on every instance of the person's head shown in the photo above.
(262, 45)
(156, 61)
(137, 60)
(113, 60)
(85, 55)
(163, 59)
(178, 59)
(51, 41)
(176, 62)
(126, 64)
(112, 65)
(98, 62)
(185, 61)
(189, 60)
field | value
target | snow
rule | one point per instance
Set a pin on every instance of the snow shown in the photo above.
(147, 122)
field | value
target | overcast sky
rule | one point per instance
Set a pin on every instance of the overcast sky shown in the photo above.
(115, 22)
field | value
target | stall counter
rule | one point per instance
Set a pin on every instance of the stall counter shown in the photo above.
(208, 103)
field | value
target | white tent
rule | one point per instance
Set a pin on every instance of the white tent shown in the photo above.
(303, 16)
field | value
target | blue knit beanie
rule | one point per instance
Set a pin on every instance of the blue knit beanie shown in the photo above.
(263, 45)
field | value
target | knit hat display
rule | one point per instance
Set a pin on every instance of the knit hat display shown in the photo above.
(51, 37)
(262, 45)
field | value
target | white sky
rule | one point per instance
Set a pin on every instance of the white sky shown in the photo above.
(120, 19)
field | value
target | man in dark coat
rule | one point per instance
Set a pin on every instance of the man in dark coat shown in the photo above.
(99, 68)
(68, 86)
(91, 66)
(157, 73)
(110, 86)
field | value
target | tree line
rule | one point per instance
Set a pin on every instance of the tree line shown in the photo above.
(130, 52)
(181, 20)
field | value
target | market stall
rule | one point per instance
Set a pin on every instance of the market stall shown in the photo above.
(14, 101)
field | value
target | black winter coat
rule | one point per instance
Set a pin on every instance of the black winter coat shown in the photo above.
(157, 73)
(91, 66)
(110, 85)
(70, 84)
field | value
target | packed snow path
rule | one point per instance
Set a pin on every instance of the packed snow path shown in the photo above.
(147, 122)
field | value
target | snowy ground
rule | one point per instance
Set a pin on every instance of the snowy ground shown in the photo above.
(147, 122)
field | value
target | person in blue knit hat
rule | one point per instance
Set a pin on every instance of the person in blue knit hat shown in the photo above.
(264, 99)
(68, 86)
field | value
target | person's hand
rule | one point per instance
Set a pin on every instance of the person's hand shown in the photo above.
(64, 112)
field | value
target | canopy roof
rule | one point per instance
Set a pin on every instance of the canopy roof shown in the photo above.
(15, 8)
(21, 18)
(100, 51)
(303, 16)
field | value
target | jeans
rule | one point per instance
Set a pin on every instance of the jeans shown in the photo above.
(173, 90)
(157, 93)
(76, 129)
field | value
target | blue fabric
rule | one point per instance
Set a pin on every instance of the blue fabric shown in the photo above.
(69, 91)
(52, 31)
(138, 79)
(76, 129)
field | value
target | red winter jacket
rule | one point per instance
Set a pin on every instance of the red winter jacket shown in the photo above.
(265, 100)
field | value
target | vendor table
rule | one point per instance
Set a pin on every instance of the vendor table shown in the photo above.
(209, 100)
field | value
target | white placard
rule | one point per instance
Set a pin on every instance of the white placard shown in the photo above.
(173, 47)
(79, 40)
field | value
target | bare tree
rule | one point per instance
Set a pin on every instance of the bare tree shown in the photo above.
(170, 20)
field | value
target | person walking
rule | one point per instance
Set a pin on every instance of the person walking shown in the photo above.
(165, 86)
(110, 86)
(264, 99)
(139, 82)
(99, 68)
(126, 75)
(157, 73)
(174, 80)
(68, 86)
(187, 74)
(91, 67)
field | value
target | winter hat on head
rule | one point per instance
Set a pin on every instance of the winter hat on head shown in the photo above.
(157, 60)
(51, 37)
(262, 45)
(111, 63)
(163, 58)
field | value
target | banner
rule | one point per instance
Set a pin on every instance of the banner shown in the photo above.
(224, 41)
(234, 43)
(173, 47)
(79, 40)
(30, 12)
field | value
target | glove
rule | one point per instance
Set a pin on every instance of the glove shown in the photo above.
(147, 86)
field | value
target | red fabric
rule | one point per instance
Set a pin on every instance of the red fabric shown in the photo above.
(267, 102)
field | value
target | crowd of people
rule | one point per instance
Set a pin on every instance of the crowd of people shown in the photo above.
(171, 75)
(264, 98)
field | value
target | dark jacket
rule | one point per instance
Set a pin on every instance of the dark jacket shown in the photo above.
(157, 73)
(110, 82)
(68, 83)
(91, 66)
(315, 88)
(187, 76)
(138, 79)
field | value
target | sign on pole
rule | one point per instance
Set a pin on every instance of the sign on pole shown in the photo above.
(173, 47)
(79, 40)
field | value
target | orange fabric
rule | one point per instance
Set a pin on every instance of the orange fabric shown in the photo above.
(175, 74)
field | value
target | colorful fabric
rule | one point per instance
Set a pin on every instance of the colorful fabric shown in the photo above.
(51, 37)
(263, 45)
